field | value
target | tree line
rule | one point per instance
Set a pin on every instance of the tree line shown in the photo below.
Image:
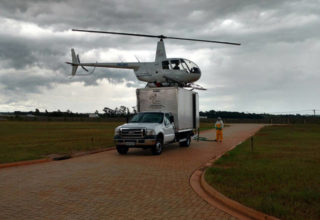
(123, 111)
(243, 115)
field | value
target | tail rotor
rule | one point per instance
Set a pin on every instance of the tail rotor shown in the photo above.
(76, 62)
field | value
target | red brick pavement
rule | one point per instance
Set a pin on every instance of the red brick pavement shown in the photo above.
(112, 186)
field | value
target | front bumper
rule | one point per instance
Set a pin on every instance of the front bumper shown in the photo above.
(136, 142)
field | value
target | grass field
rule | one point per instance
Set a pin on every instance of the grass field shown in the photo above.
(33, 140)
(280, 177)
(208, 125)
(21, 140)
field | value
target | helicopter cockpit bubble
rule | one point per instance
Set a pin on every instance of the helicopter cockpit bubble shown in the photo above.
(180, 64)
(193, 68)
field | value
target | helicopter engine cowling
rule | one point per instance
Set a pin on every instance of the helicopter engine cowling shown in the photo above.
(147, 72)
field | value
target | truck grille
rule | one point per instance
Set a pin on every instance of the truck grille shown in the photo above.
(132, 133)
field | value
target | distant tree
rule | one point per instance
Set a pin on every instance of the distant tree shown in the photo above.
(134, 109)
(123, 110)
(19, 113)
(107, 110)
(37, 112)
(116, 111)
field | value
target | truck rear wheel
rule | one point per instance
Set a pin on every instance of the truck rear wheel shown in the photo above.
(122, 149)
(185, 143)
(157, 148)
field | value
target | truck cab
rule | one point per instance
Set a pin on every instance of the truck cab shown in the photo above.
(146, 130)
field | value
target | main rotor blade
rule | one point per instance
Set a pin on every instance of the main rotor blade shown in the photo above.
(208, 41)
(120, 33)
(156, 36)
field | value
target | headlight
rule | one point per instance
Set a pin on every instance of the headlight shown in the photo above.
(116, 131)
(150, 132)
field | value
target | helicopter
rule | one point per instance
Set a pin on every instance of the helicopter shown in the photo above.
(163, 72)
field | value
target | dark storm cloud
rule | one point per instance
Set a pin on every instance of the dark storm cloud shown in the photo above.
(16, 83)
(29, 82)
(47, 53)
(148, 16)
(16, 52)
(276, 38)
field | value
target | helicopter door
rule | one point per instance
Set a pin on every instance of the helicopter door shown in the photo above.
(175, 65)
(179, 65)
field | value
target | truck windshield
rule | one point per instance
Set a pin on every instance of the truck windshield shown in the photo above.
(147, 118)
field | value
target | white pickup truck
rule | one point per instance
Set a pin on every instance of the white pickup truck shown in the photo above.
(166, 115)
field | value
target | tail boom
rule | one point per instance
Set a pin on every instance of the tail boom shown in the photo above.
(76, 62)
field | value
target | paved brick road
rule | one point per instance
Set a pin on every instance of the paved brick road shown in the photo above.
(109, 186)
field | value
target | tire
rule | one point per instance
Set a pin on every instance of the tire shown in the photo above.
(186, 143)
(122, 150)
(157, 148)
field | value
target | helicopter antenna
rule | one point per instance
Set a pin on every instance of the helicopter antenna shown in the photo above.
(157, 36)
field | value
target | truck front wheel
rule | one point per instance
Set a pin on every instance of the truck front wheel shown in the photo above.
(157, 148)
(122, 149)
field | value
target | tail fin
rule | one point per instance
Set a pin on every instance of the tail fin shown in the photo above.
(75, 62)
(161, 51)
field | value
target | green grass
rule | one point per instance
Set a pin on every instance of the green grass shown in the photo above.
(208, 125)
(280, 177)
(21, 140)
(33, 140)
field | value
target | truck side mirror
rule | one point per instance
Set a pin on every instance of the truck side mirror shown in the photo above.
(171, 119)
(128, 118)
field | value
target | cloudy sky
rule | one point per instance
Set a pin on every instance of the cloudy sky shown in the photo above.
(276, 69)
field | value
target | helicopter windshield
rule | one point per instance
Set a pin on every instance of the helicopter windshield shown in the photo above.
(193, 68)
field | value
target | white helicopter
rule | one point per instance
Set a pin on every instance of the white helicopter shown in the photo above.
(162, 72)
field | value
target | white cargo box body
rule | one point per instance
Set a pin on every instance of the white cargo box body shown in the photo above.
(182, 103)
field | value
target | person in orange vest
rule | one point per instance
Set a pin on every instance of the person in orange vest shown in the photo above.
(219, 127)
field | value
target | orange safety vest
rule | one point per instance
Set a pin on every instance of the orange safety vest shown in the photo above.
(218, 126)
